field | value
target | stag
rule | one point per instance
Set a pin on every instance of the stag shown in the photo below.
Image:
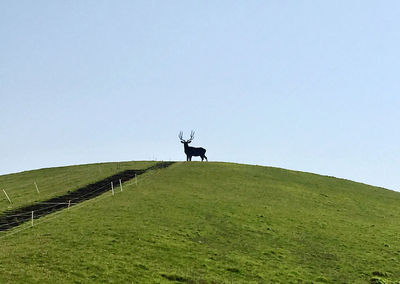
(192, 151)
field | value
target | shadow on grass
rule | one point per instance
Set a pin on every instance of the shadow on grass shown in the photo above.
(14, 218)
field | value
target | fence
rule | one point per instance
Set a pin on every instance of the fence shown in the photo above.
(128, 177)
(30, 218)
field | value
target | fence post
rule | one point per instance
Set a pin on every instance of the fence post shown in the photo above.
(32, 218)
(69, 204)
(7, 195)
(37, 189)
(112, 188)
(120, 185)
(135, 179)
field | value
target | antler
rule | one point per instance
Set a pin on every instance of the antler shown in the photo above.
(191, 135)
(181, 136)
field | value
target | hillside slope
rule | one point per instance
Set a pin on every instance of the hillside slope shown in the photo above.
(53, 182)
(216, 223)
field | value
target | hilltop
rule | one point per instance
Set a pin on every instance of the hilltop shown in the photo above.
(204, 223)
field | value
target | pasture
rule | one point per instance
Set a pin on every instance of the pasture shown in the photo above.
(204, 223)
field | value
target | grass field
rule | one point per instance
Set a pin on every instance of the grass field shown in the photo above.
(209, 223)
(56, 181)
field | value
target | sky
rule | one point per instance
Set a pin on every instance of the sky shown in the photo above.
(304, 85)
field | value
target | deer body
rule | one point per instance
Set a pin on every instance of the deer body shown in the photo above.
(192, 151)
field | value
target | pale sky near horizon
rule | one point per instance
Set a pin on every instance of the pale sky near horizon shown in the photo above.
(304, 85)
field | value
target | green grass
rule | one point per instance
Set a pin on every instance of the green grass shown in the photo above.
(214, 223)
(56, 181)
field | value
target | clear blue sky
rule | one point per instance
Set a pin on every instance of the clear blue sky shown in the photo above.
(305, 85)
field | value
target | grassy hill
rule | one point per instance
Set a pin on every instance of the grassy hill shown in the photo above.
(206, 223)
(56, 181)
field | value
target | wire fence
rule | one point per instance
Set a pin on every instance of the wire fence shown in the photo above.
(27, 225)
(18, 197)
(82, 201)
(12, 224)
(42, 188)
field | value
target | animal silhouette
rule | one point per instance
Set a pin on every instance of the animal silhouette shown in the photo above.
(192, 151)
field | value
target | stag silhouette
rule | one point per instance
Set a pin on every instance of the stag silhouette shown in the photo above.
(192, 151)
